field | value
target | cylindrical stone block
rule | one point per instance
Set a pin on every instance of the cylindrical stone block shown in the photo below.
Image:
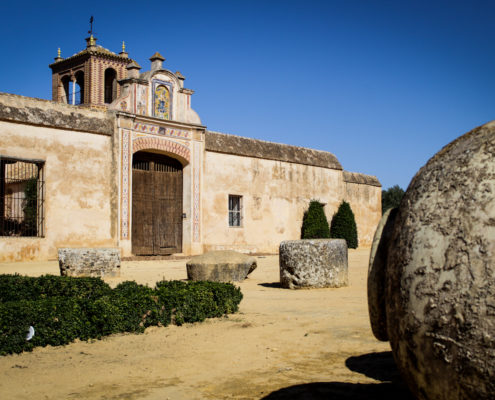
(313, 263)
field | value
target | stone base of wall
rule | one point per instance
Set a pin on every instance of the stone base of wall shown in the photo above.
(89, 262)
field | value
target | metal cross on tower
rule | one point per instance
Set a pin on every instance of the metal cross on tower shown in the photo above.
(91, 25)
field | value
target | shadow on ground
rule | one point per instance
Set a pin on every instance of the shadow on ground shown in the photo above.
(271, 285)
(379, 366)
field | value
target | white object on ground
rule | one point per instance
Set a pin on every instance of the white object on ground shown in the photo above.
(30, 333)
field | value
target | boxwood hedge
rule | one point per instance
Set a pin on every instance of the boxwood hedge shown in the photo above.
(62, 309)
(17, 287)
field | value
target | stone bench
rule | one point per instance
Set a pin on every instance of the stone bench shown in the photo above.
(313, 263)
(89, 261)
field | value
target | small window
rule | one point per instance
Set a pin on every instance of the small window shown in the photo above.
(235, 210)
(21, 198)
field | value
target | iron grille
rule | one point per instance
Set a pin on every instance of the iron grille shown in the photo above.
(156, 163)
(168, 166)
(143, 165)
(235, 209)
(22, 197)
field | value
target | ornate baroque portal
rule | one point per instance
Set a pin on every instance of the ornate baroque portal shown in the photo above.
(133, 147)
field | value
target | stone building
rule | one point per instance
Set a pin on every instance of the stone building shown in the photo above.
(120, 158)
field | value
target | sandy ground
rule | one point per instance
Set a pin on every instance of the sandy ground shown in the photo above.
(282, 344)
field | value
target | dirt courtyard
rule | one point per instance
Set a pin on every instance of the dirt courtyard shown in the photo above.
(282, 344)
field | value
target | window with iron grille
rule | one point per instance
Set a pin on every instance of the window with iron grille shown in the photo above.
(22, 197)
(235, 210)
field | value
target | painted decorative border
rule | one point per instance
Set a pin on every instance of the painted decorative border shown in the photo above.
(125, 103)
(140, 99)
(160, 130)
(170, 146)
(196, 192)
(124, 203)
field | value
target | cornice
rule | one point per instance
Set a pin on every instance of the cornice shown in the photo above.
(159, 121)
(134, 80)
(88, 53)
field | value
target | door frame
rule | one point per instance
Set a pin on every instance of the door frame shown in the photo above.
(158, 165)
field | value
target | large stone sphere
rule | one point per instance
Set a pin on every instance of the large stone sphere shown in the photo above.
(376, 275)
(439, 274)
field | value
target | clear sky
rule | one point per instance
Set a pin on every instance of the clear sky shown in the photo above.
(383, 85)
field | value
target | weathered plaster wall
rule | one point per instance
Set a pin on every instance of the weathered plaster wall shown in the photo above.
(39, 112)
(79, 173)
(275, 196)
(82, 153)
(364, 194)
(277, 182)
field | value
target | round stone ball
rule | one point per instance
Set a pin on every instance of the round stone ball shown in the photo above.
(440, 273)
(376, 275)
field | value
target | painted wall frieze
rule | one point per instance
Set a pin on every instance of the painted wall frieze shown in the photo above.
(161, 130)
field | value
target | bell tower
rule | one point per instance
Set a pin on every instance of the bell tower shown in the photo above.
(90, 77)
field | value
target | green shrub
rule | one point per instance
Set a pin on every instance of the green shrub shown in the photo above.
(195, 301)
(17, 287)
(315, 224)
(56, 321)
(391, 197)
(102, 317)
(62, 309)
(227, 297)
(139, 307)
(343, 225)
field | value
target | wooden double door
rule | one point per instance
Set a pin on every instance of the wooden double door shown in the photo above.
(156, 204)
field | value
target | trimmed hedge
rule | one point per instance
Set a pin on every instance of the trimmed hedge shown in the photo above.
(195, 301)
(92, 309)
(17, 287)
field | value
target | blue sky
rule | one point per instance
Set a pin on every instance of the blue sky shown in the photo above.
(383, 85)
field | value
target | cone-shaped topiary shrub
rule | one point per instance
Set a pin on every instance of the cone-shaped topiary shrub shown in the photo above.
(343, 225)
(315, 224)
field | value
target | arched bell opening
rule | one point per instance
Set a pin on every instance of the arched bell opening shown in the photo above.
(110, 85)
(66, 89)
(79, 90)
